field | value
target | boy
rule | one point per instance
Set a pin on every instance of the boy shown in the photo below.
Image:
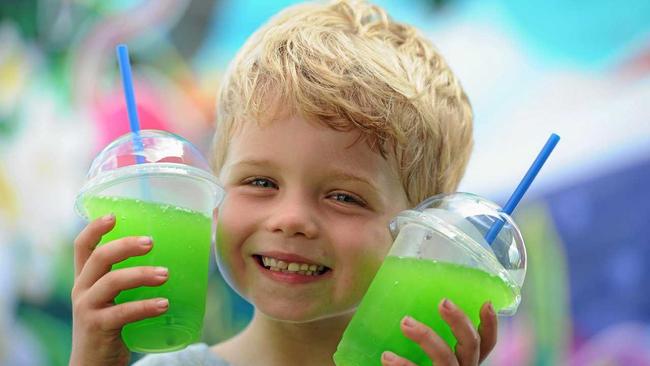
(332, 119)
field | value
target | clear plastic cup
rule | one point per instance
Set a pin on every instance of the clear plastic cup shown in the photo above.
(439, 252)
(158, 184)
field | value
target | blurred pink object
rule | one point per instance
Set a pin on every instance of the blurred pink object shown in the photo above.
(515, 344)
(111, 117)
(621, 344)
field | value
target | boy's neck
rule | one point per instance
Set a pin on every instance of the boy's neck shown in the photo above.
(283, 343)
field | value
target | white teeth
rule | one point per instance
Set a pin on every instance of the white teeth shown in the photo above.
(305, 269)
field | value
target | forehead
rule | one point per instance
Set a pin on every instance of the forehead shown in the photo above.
(302, 139)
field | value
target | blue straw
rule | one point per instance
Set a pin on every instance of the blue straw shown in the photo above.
(134, 122)
(523, 185)
(127, 82)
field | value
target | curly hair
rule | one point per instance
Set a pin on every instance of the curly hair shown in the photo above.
(349, 66)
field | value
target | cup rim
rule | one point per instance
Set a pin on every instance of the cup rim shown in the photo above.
(126, 173)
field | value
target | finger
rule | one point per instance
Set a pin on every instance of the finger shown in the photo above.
(101, 259)
(469, 342)
(388, 358)
(103, 292)
(88, 239)
(116, 316)
(487, 330)
(430, 342)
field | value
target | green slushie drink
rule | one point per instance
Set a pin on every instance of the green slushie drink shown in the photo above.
(439, 252)
(162, 189)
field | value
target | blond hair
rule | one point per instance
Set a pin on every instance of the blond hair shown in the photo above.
(349, 66)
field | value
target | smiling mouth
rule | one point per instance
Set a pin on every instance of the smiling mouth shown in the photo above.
(277, 265)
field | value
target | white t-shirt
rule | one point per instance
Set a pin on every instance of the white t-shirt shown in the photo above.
(195, 355)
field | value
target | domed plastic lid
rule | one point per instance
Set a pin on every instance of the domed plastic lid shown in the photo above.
(147, 154)
(150, 146)
(468, 216)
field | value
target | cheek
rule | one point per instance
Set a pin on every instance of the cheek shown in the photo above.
(361, 253)
(232, 230)
(368, 241)
(235, 222)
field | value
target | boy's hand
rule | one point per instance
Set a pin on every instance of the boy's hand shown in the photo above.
(96, 320)
(472, 346)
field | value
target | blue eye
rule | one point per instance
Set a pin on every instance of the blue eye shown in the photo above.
(261, 183)
(346, 198)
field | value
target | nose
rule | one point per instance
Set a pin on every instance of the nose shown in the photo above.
(293, 216)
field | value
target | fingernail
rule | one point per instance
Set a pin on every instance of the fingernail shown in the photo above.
(162, 303)
(161, 271)
(448, 305)
(408, 322)
(145, 241)
(388, 356)
(108, 218)
(490, 308)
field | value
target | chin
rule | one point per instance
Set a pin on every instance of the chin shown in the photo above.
(288, 311)
(298, 313)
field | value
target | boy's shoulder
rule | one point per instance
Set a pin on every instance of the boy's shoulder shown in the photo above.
(195, 355)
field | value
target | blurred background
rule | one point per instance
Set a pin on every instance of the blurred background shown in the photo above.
(578, 68)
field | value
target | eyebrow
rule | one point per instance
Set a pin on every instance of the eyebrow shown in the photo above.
(264, 163)
(342, 176)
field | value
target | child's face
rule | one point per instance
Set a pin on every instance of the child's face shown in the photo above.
(304, 193)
